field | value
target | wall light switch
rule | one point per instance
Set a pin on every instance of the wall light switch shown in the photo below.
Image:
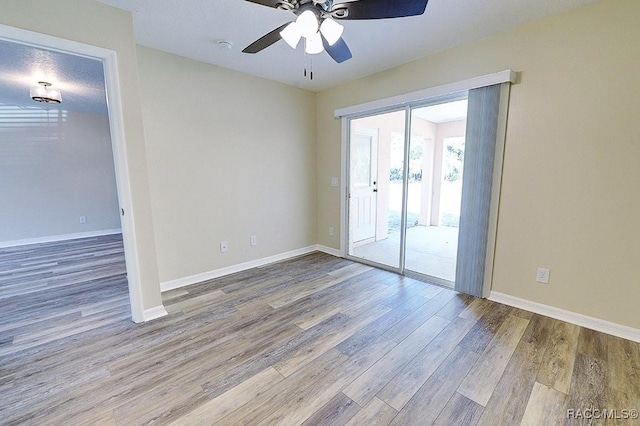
(331, 231)
(334, 181)
(254, 240)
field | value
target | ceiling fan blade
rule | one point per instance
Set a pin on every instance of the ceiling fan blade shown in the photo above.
(382, 9)
(339, 51)
(265, 41)
(269, 3)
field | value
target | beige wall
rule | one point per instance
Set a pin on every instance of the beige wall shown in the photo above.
(570, 193)
(230, 156)
(99, 25)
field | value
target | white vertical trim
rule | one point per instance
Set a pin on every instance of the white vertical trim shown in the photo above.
(344, 176)
(431, 92)
(118, 142)
(116, 123)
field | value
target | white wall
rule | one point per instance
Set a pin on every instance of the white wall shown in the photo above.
(569, 198)
(230, 156)
(54, 172)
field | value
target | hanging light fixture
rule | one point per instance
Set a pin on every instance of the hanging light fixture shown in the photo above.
(313, 44)
(307, 23)
(43, 92)
(291, 34)
(307, 26)
(331, 30)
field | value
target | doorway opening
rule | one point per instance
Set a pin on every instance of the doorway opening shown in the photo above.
(404, 188)
(108, 61)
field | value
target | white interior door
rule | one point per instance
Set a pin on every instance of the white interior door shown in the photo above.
(363, 188)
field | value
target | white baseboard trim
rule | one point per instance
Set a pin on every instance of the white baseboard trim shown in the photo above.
(329, 250)
(205, 276)
(154, 313)
(603, 326)
(54, 238)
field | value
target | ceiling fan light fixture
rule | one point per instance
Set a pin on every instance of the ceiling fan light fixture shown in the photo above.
(43, 92)
(291, 34)
(307, 23)
(331, 30)
(313, 44)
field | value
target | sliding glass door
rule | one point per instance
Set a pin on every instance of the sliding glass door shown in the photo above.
(405, 188)
(376, 158)
(436, 155)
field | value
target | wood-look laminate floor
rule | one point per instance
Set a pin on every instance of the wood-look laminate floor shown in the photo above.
(315, 340)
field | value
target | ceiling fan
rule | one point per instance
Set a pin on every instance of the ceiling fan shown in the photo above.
(317, 22)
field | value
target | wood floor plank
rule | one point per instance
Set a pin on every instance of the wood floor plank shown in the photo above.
(279, 395)
(401, 388)
(459, 411)
(623, 365)
(477, 309)
(593, 344)
(330, 340)
(405, 327)
(368, 384)
(588, 387)
(485, 329)
(302, 405)
(343, 333)
(214, 410)
(427, 404)
(338, 411)
(546, 406)
(509, 399)
(376, 412)
(485, 375)
(557, 367)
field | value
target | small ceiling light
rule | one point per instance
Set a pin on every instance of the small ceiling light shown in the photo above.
(43, 92)
(314, 45)
(291, 34)
(331, 30)
(307, 23)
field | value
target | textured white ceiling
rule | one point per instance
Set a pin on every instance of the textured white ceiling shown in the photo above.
(80, 79)
(193, 29)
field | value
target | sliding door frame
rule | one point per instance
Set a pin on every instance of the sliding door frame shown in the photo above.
(406, 102)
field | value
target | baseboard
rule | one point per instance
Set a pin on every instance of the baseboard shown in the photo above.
(154, 313)
(603, 326)
(205, 276)
(329, 250)
(54, 238)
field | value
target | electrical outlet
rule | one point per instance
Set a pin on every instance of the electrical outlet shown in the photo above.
(334, 181)
(83, 219)
(331, 231)
(254, 240)
(224, 247)
(542, 276)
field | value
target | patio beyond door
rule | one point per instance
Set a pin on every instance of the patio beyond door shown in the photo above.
(404, 194)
